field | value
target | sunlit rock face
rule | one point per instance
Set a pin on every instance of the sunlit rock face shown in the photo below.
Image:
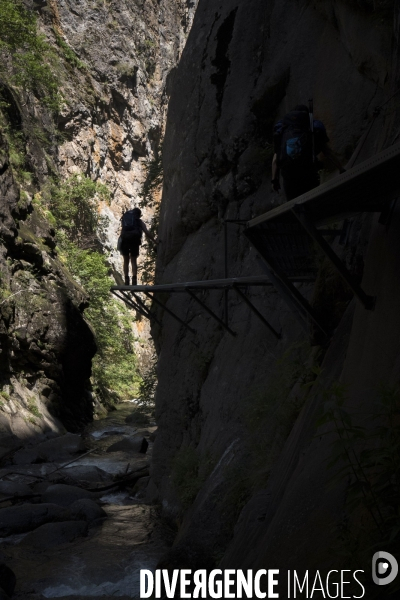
(114, 119)
(244, 66)
(46, 344)
(114, 64)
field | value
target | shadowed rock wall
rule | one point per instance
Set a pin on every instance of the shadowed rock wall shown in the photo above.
(245, 64)
(113, 62)
(46, 345)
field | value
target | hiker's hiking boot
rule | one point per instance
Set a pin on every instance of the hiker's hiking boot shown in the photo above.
(134, 280)
(126, 280)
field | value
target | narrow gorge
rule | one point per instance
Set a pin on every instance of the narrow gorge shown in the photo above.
(272, 439)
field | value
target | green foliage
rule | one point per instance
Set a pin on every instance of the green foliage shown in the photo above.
(126, 69)
(114, 366)
(370, 458)
(69, 54)
(27, 60)
(73, 206)
(147, 51)
(32, 407)
(148, 385)
(5, 395)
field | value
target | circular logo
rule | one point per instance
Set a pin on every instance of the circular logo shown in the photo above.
(384, 568)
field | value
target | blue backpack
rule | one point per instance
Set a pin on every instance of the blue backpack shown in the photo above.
(295, 150)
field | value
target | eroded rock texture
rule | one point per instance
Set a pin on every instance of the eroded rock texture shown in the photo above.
(232, 415)
(114, 59)
(114, 119)
(46, 345)
(115, 112)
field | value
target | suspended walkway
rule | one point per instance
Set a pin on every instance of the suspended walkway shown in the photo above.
(130, 295)
(284, 237)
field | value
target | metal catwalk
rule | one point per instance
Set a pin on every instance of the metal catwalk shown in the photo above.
(285, 239)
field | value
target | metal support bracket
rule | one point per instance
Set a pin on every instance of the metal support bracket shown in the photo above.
(367, 301)
(146, 309)
(257, 312)
(129, 302)
(169, 311)
(293, 297)
(210, 312)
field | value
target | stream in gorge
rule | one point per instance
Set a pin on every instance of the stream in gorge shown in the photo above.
(54, 534)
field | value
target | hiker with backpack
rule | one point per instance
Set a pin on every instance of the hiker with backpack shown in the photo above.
(130, 240)
(298, 140)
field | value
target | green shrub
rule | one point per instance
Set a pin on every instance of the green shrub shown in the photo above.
(73, 204)
(68, 53)
(33, 408)
(27, 59)
(148, 385)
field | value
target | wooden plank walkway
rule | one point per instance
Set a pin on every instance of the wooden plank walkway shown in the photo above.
(364, 188)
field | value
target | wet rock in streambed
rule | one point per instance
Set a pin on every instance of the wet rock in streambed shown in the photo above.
(87, 510)
(19, 519)
(139, 489)
(28, 473)
(136, 443)
(56, 449)
(14, 488)
(64, 495)
(89, 474)
(108, 432)
(7, 581)
(54, 534)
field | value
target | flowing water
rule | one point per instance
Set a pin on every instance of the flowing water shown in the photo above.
(106, 563)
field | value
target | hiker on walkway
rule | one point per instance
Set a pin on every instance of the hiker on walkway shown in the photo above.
(130, 240)
(297, 146)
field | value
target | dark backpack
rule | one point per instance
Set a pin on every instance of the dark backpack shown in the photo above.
(131, 227)
(295, 150)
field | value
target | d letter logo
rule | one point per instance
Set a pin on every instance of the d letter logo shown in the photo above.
(384, 568)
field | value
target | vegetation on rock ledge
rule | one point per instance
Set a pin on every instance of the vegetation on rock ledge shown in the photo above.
(72, 208)
(27, 60)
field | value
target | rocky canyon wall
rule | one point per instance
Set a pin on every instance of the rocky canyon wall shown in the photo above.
(111, 61)
(237, 427)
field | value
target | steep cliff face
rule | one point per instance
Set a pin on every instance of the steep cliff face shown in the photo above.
(114, 119)
(111, 60)
(116, 102)
(46, 345)
(232, 413)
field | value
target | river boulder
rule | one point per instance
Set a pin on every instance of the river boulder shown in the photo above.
(135, 443)
(19, 519)
(65, 495)
(87, 510)
(54, 534)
